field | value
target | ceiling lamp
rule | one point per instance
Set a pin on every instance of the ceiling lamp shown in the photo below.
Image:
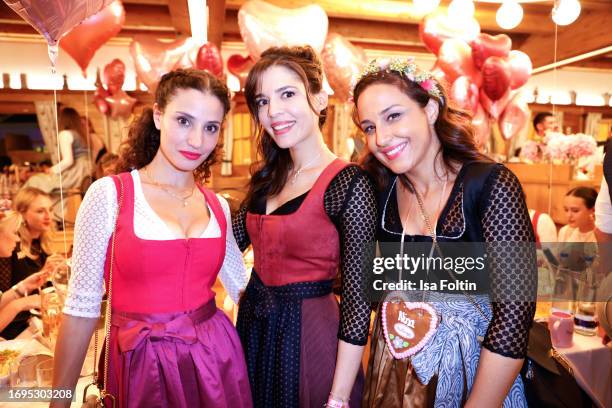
(461, 9)
(565, 12)
(509, 14)
(425, 6)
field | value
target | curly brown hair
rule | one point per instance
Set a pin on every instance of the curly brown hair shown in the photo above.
(143, 139)
(270, 174)
(453, 126)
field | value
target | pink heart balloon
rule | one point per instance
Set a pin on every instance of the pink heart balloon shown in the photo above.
(520, 68)
(263, 25)
(99, 99)
(514, 117)
(121, 104)
(485, 46)
(495, 108)
(343, 62)
(465, 93)
(209, 59)
(455, 58)
(153, 58)
(495, 77)
(113, 75)
(482, 127)
(441, 76)
(53, 19)
(240, 66)
(435, 28)
(82, 42)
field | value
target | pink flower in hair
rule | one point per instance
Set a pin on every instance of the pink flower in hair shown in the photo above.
(427, 85)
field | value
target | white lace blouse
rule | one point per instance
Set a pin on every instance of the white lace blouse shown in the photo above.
(94, 226)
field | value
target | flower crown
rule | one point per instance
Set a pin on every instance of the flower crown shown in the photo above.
(407, 68)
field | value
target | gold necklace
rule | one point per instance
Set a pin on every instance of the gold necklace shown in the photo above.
(184, 200)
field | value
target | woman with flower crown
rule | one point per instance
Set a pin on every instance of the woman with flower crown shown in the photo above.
(436, 188)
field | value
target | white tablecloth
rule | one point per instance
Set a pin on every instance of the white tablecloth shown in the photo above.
(592, 365)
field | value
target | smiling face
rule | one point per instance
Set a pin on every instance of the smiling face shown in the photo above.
(283, 109)
(38, 215)
(578, 214)
(189, 126)
(398, 130)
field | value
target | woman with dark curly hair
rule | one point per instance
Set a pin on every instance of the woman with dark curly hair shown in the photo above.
(459, 348)
(167, 237)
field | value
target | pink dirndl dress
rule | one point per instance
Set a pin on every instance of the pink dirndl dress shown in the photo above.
(169, 344)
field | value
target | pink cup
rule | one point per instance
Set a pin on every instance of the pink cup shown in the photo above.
(561, 326)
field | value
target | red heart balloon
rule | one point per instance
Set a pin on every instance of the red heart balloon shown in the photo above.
(482, 127)
(343, 62)
(113, 75)
(465, 93)
(455, 59)
(514, 117)
(99, 100)
(82, 42)
(495, 108)
(209, 59)
(153, 58)
(121, 104)
(441, 76)
(435, 28)
(485, 46)
(240, 66)
(495, 77)
(520, 68)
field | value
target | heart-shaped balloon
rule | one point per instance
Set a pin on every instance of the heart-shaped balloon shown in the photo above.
(113, 75)
(495, 108)
(520, 68)
(465, 93)
(209, 59)
(263, 25)
(485, 46)
(482, 127)
(455, 59)
(435, 28)
(407, 326)
(441, 76)
(343, 62)
(121, 104)
(153, 58)
(514, 117)
(100, 96)
(82, 42)
(495, 77)
(240, 66)
(53, 19)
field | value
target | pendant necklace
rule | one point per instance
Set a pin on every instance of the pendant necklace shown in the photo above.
(184, 199)
(304, 167)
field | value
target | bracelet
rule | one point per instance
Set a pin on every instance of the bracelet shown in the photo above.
(333, 402)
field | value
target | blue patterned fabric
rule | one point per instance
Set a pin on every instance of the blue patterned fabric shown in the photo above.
(269, 326)
(454, 350)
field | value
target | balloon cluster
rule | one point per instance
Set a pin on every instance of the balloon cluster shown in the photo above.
(482, 71)
(109, 98)
(153, 58)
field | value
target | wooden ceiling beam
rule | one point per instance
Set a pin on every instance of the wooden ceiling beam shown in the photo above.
(592, 35)
(216, 21)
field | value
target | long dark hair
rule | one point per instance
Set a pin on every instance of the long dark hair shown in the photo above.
(69, 119)
(142, 142)
(453, 126)
(269, 175)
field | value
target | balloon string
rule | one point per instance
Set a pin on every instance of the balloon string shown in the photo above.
(59, 159)
(88, 137)
(554, 111)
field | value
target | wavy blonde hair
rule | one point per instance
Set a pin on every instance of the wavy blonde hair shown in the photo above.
(24, 198)
(11, 219)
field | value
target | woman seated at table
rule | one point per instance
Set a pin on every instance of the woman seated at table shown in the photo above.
(579, 207)
(33, 252)
(16, 299)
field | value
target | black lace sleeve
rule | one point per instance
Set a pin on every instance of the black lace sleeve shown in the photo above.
(240, 230)
(351, 204)
(509, 237)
